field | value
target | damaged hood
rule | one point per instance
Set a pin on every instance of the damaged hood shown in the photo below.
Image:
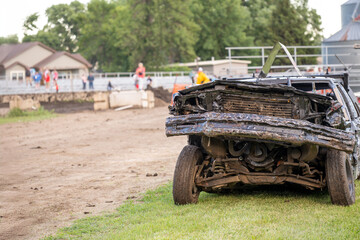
(253, 86)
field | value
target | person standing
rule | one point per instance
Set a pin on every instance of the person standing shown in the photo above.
(192, 76)
(37, 79)
(55, 76)
(56, 87)
(83, 78)
(42, 80)
(91, 81)
(148, 82)
(136, 81)
(140, 73)
(28, 76)
(47, 78)
(201, 77)
(109, 86)
(32, 72)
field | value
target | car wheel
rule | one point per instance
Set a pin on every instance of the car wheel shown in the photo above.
(339, 178)
(184, 188)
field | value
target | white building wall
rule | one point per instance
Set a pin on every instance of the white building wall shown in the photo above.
(65, 62)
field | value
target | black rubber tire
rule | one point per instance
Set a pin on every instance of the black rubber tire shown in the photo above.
(184, 189)
(339, 178)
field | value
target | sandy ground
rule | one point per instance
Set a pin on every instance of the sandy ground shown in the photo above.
(55, 171)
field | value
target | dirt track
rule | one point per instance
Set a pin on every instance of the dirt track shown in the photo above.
(53, 171)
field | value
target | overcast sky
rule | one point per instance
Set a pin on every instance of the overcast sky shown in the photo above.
(14, 12)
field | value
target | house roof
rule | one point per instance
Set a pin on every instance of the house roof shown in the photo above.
(56, 55)
(79, 57)
(9, 51)
(17, 63)
(210, 63)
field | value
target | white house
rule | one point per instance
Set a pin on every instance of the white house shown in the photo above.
(16, 58)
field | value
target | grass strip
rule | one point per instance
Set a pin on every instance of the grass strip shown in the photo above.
(18, 115)
(265, 212)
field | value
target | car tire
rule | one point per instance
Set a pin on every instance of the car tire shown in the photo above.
(339, 178)
(184, 188)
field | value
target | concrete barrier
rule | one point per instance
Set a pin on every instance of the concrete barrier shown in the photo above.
(52, 97)
(101, 101)
(143, 99)
(23, 104)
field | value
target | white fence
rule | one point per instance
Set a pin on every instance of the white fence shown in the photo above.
(100, 84)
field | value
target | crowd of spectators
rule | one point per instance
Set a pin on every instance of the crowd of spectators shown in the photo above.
(42, 77)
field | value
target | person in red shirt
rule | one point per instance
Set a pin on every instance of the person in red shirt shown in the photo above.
(140, 73)
(47, 78)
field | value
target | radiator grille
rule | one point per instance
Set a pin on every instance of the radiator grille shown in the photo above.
(277, 107)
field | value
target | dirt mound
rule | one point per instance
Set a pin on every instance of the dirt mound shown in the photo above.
(68, 106)
(161, 93)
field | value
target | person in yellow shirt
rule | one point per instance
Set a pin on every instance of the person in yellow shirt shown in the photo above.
(201, 77)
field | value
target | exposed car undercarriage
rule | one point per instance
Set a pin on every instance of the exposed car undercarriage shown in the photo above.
(258, 133)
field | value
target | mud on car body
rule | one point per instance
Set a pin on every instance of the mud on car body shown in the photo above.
(271, 130)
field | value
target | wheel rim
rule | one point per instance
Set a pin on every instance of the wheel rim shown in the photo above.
(350, 178)
(195, 190)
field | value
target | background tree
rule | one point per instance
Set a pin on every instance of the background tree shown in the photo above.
(65, 21)
(49, 38)
(115, 35)
(30, 23)
(287, 22)
(62, 29)
(159, 32)
(222, 24)
(9, 39)
(97, 40)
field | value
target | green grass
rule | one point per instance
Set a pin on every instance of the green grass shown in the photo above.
(275, 212)
(18, 115)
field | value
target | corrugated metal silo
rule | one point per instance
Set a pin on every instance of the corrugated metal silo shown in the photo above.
(349, 35)
(347, 11)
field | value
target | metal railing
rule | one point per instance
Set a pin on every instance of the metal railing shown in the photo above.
(324, 52)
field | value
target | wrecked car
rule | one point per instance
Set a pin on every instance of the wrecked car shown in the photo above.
(267, 130)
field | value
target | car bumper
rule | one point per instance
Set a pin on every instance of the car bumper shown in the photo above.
(260, 128)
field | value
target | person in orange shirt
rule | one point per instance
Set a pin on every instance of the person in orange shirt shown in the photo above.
(140, 73)
(201, 77)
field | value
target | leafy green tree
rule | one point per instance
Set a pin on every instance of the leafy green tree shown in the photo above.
(115, 35)
(65, 21)
(9, 39)
(62, 28)
(289, 22)
(291, 25)
(260, 13)
(312, 21)
(29, 23)
(159, 32)
(97, 40)
(49, 38)
(223, 24)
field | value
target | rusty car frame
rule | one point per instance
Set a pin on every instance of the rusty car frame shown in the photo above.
(267, 130)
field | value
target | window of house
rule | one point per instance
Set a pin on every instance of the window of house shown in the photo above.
(13, 76)
(20, 76)
(17, 75)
